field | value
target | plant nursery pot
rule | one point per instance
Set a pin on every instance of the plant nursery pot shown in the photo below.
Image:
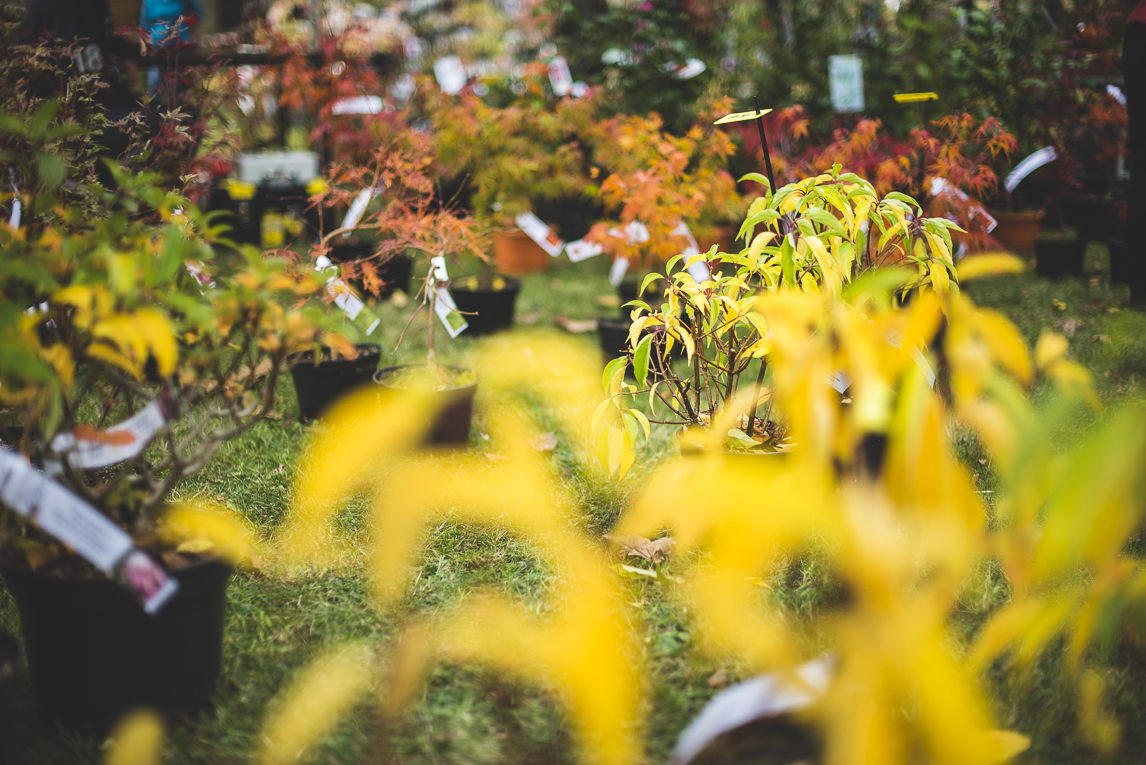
(1017, 230)
(1059, 258)
(613, 335)
(320, 385)
(10, 655)
(1119, 263)
(515, 253)
(451, 425)
(1094, 217)
(94, 654)
(486, 308)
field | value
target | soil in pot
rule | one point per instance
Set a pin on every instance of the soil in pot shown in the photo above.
(1059, 258)
(10, 655)
(515, 253)
(94, 654)
(487, 305)
(394, 272)
(1017, 231)
(454, 387)
(320, 385)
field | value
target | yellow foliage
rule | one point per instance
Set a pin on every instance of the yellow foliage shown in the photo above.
(137, 740)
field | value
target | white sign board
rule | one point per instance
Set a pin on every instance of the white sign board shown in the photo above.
(845, 73)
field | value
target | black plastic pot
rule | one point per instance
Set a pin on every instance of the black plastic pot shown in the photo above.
(629, 288)
(10, 655)
(1119, 263)
(1094, 217)
(1059, 258)
(487, 310)
(455, 410)
(94, 654)
(394, 272)
(614, 337)
(320, 385)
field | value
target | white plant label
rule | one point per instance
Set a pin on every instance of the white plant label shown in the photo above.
(839, 380)
(579, 90)
(691, 68)
(617, 272)
(559, 76)
(447, 310)
(440, 272)
(582, 250)
(845, 75)
(698, 270)
(634, 233)
(17, 209)
(202, 278)
(450, 74)
(536, 230)
(118, 443)
(357, 105)
(345, 298)
(357, 208)
(1116, 93)
(1028, 166)
(84, 529)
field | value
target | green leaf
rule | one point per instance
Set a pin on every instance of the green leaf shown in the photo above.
(43, 118)
(758, 178)
(641, 359)
(614, 374)
(51, 169)
(738, 439)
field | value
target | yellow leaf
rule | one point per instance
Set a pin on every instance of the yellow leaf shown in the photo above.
(1006, 344)
(200, 529)
(990, 264)
(315, 702)
(940, 279)
(137, 740)
(1051, 347)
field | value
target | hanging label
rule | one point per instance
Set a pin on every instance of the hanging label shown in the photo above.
(450, 74)
(447, 310)
(617, 272)
(359, 314)
(559, 76)
(686, 71)
(357, 208)
(202, 278)
(845, 75)
(1028, 166)
(1116, 93)
(839, 380)
(119, 443)
(634, 233)
(582, 250)
(84, 529)
(357, 105)
(440, 272)
(536, 230)
(579, 90)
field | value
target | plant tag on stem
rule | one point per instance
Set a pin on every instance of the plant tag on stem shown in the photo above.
(634, 232)
(17, 208)
(357, 311)
(118, 443)
(559, 76)
(617, 272)
(84, 529)
(440, 272)
(202, 278)
(447, 310)
(536, 230)
(582, 250)
(357, 208)
(1033, 162)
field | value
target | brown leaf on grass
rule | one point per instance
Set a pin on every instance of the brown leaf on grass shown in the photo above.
(546, 442)
(718, 678)
(635, 546)
(272, 415)
(110, 437)
(530, 318)
(262, 369)
(1068, 326)
(576, 326)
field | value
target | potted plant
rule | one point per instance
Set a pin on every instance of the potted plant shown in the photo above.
(521, 146)
(127, 376)
(817, 236)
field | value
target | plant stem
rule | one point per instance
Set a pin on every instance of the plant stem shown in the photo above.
(756, 396)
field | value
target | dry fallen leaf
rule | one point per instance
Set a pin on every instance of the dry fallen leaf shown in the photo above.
(609, 301)
(576, 326)
(1068, 326)
(262, 369)
(635, 546)
(530, 318)
(546, 442)
(272, 415)
(718, 678)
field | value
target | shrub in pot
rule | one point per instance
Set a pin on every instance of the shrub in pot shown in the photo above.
(114, 297)
(814, 240)
(516, 147)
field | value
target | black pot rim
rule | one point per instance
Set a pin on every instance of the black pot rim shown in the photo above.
(382, 373)
(307, 357)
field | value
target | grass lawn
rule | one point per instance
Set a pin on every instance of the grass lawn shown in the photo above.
(466, 715)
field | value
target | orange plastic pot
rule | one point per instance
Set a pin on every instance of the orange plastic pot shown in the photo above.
(515, 253)
(1017, 231)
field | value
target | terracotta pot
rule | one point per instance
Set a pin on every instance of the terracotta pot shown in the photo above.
(515, 253)
(1018, 231)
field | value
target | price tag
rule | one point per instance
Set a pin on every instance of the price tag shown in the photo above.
(84, 529)
(447, 310)
(617, 272)
(536, 230)
(582, 250)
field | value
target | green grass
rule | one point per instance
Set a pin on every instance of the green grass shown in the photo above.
(467, 715)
